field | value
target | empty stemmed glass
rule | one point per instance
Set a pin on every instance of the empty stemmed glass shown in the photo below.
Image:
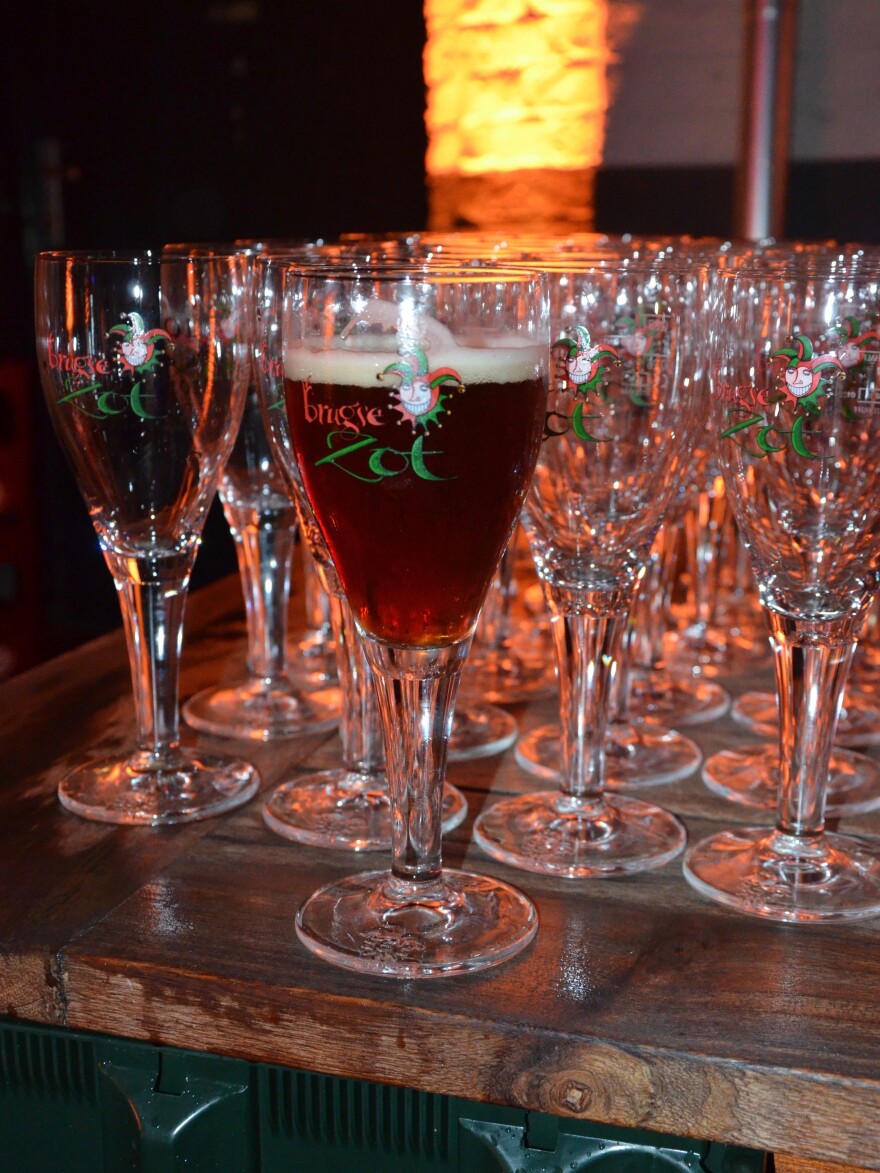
(144, 362)
(618, 437)
(796, 405)
(414, 400)
(268, 704)
(638, 753)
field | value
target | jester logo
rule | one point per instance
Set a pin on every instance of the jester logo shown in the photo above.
(420, 396)
(585, 367)
(805, 372)
(638, 336)
(138, 347)
(855, 342)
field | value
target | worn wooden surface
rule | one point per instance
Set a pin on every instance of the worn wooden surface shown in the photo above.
(638, 1004)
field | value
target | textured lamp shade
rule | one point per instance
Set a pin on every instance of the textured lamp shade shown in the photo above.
(515, 111)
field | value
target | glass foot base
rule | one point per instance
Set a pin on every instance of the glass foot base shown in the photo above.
(375, 923)
(750, 776)
(857, 725)
(344, 809)
(560, 836)
(478, 731)
(766, 873)
(665, 700)
(635, 755)
(258, 711)
(200, 785)
(714, 652)
(312, 662)
(509, 678)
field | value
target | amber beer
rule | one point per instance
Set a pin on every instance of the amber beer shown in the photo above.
(416, 498)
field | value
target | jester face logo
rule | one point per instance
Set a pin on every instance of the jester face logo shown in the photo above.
(421, 393)
(585, 366)
(807, 373)
(137, 348)
(637, 335)
(418, 397)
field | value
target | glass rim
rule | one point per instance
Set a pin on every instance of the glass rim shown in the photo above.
(548, 266)
(204, 250)
(99, 255)
(129, 256)
(583, 264)
(849, 266)
(395, 272)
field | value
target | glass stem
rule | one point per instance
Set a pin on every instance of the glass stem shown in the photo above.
(812, 661)
(622, 675)
(416, 690)
(648, 620)
(705, 530)
(363, 746)
(265, 546)
(653, 601)
(587, 633)
(152, 598)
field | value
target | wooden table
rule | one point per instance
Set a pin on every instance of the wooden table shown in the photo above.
(639, 1003)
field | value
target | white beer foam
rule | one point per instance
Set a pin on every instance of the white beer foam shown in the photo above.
(351, 365)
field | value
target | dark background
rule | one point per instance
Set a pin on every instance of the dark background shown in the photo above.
(129, 127)
(210, 121)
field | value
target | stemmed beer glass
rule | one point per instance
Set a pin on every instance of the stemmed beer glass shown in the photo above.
(414, 400)
(144, 363)
(269, 703)
(796, 406)
(618, 437)
(611, 337)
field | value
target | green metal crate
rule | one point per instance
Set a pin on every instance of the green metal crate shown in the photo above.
(72, 1102)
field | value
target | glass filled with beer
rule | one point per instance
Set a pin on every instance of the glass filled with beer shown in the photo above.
(412, 411)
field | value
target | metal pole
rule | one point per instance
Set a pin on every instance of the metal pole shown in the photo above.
(768, 74)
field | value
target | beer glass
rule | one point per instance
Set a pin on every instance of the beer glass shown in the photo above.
(619, 433)
(144, 361)
(796, 406)
(266, 705)
(637, 753)
(414, 401)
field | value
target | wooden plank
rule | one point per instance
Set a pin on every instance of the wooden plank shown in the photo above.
(638, 1004)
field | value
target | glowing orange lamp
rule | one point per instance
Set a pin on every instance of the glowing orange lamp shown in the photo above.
(516, 111)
